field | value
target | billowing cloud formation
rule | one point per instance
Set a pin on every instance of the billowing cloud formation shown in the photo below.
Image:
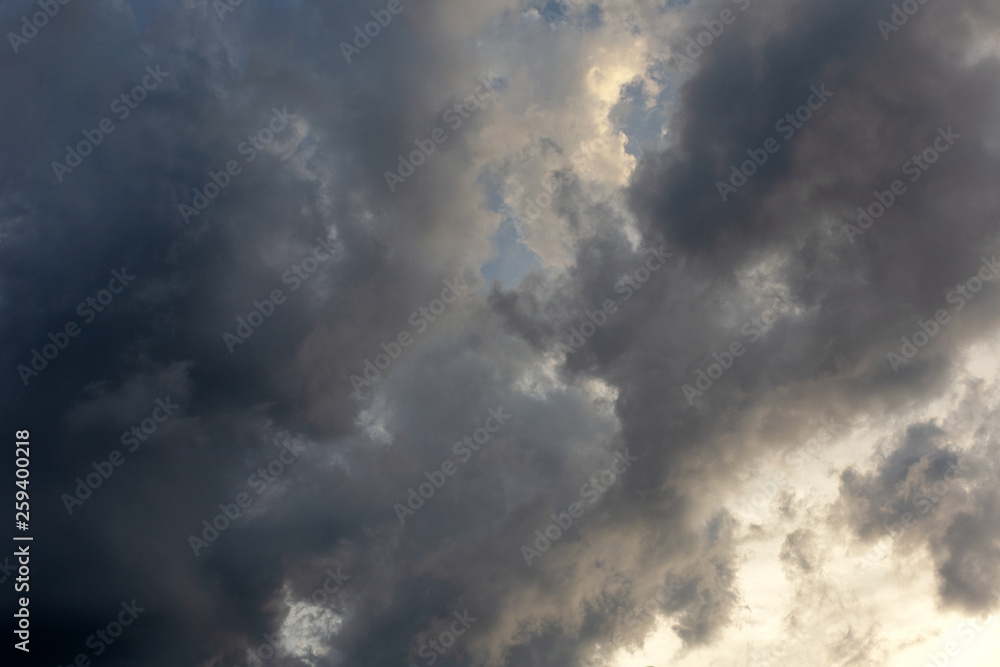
(282, 399)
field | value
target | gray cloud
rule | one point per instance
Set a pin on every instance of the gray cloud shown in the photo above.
(780, 235)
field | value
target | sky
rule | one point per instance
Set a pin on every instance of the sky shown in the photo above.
(507, 333)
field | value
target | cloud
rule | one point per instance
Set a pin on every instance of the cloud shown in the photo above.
(584, 97)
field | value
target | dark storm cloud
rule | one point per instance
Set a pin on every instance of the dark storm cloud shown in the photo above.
(923, 495)
(120, 207)
(853, 301)
(912, 478)
(322, 178)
